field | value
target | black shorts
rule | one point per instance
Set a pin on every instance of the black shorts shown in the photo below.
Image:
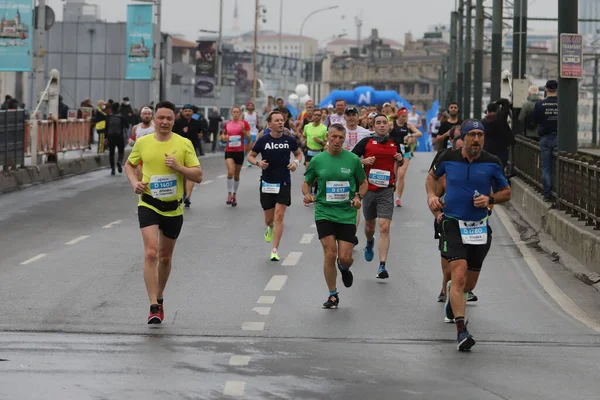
(342, 232)
(452, 248)
(269, 200)
(170, 226)
(237, 156)
(436, 229)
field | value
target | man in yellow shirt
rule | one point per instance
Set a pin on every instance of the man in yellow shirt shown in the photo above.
(167, 158)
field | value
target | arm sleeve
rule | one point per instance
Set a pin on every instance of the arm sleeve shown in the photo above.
(246, 125)
(135, 156)
(359, 173)
(537, 113)
(258, 146)
(498, 178)
(190, 155)
(439, 168)
(293, 145)
(361, 147)
(310, 175)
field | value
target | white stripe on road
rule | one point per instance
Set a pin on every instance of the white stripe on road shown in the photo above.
(239, 360)
(253, 326)
(112, 224)
(292, 259)
(543, 278)
(307, 238)
(313, 226)
(266, 300)
(276, 283)
(222, 176)
(206, 182)
(32, 259)
(77, 240)
(234, 388)
(262, 310)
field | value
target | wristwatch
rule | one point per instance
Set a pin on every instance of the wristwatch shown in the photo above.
(360, 196)
(492, 200)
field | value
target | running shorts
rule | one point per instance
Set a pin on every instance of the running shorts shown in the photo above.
(452, 247)
(269, 200)
(341, 232)
(378, 204)
(170, 226)
(237, 156)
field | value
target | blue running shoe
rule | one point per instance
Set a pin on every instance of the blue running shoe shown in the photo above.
(465, 340)
(369, 254)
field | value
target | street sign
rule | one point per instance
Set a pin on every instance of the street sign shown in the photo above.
(571, 55)
(50, 17)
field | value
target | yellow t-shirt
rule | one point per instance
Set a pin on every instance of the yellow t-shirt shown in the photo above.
(163, 183)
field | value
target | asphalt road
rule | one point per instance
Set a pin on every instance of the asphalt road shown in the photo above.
(74, 307)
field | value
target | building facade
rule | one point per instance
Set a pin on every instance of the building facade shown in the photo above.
(293, 46)
(589, 9)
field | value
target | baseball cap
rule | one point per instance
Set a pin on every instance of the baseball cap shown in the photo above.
(188, 107)
(552, 84)
(351, 110)
(372, 115)
(469, 126)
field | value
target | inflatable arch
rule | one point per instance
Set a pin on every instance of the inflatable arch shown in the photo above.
(365, 96)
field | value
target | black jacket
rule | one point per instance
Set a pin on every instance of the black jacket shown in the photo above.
(194, 128)
(498, 135)
(545, 115)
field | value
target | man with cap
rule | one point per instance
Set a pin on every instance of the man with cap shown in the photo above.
(465, 234)
(354, 132)
(190, 129)
(545, 114)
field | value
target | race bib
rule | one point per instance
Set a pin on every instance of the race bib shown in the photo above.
(313, 153)
(272, 188)
(473, 232)
(235, 141)
(379, 177)
(162, 186)
(402, 148)
(337, 191)
(449, 144)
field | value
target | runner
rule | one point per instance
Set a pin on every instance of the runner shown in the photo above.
(143, 128)
(466, 236)
(167, 158)
(342, 184)
(405, 135)
(446, 126)
(252, 119)
(381, 156)
(233, 134)
(275, 183)
(315, 135)
(338, 116)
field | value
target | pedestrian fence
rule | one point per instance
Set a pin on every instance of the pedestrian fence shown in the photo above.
(60, 136)
(12, 126)
(575, 179)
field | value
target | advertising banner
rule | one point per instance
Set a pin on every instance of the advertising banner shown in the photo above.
(16, 35)
(206, 68)
(139, 41)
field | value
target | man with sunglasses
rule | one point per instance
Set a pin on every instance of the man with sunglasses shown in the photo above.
(465, 234)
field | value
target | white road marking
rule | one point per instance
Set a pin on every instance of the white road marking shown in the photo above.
(222, 176)
(262, 310)
(313, 226)
(307, 238)
(253, 326)
(112, 224)
(234, 388)
(266, 300)
(544, 279)
(77, 240)
(206, 182)
(276, 283)
(32, 259)
(292, 259)
(239, 360)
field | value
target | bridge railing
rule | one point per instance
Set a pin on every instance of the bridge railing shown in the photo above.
(58, 136)
(575, 179)
(12, 146)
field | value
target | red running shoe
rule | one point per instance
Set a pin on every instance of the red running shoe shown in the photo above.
(154, 317)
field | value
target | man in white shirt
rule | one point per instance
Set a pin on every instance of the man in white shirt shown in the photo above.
(338, 117)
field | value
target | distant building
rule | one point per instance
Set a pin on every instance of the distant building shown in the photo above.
(589, 9)
(293, 46)
(344, 47)
(80, 11)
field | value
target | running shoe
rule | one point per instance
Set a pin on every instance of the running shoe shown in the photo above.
(333, 301)
(347, 276)
(382, 273)
(369, 254)
(154, 317)
(442, 297)
(229, 198)
(161, 311)
(471, 297)
(449, 314)
(268, 234)
(398, 203)
(274, 255)
(465, 340)
(187, 203)
(233, 201)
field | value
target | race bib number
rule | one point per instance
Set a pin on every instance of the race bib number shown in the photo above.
(272, 188)
(162, 186)
(473, 232)
(313, 153)
(402, 148)
(235, 141)
(379, 177)
(337, 191)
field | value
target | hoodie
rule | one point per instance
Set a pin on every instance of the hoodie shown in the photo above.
(526, 116)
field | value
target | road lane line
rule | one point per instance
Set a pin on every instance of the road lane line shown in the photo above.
(307, 238)
(253, 326)
(234, 388)
(112, 224)
(544, 279)
(77, 240)
(276, 283)
(32, 259)
(266, 300)
(313, 226)
(239, 361)
(262, 310)
(292, 259)
(206, 182)
(222, 176)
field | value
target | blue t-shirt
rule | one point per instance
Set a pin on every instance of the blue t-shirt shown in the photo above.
(277, 152)
(464, 178)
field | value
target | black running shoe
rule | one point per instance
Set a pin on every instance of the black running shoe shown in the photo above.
(382, 273)
(187, 203)
(465, 340)
(332, 302)
(442, 297)
(471, 297)
(347, 276)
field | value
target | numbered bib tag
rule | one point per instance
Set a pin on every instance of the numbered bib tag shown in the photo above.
(449, 144)
(313, 153)
(272, 188)
(337, 191)
(379, 177)
(162, 186)
(235, 141)
(403, 148)
(473, 232)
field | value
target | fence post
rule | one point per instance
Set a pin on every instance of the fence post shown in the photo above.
(5, 124)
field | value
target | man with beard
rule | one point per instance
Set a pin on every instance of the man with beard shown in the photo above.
(142, 129)
(443, 137)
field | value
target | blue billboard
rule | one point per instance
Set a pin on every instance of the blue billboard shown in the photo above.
(139, 41)
(16, 33)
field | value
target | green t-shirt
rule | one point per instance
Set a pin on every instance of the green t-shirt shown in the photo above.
(311, 132)
(337, 178)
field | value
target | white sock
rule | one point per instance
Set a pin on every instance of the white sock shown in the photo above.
(236, 184)
(230, 185)
(274, 250)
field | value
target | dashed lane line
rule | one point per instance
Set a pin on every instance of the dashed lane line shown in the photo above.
(253, 326)
(266, 300)
(77, 240)
(262, 310)
(292, 259)
(206, 182)
(313, 226)
(222, 176)
(234, 388)
(276, 283)
(239, 361)
(33, 259)
(108, 226)
(307, 238)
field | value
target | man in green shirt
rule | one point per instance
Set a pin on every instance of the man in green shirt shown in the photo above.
(315, 135)
(342, 184)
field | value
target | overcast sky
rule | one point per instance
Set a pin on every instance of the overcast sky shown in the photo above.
(392, 18)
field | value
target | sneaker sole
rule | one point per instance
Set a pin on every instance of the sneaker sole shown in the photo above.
(154, 320)
(472, 299)
(329, 308)
(382, 275)
(466, 344)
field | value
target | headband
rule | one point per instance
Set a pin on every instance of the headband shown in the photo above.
(469, 126)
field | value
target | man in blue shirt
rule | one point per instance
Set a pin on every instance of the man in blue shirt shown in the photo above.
(465, 235)
(275, 184)
(545, 114)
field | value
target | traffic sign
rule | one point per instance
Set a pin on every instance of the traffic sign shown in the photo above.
(571, 55)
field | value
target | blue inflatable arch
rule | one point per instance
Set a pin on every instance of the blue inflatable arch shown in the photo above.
(365, 96)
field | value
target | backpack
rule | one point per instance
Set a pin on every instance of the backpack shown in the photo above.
(115, 126)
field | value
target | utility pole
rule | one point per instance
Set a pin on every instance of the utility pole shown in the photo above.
(568, 95)
(220, 51)
(453, 56)
(595, 106)
(255, 80)
(461, 55)
(40, 76)
(280, 91)
(519, 58)
(496, 78)
(478, 61)
(466, 106)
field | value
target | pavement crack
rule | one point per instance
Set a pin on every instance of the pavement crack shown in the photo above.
(485, 389)
(175, 317)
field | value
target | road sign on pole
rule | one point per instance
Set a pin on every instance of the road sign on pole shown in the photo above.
(571, 55)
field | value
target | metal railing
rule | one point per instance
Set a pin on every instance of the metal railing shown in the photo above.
(59, 136)
(12, 144)
(575, 179)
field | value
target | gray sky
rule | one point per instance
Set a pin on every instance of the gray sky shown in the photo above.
(187, 17)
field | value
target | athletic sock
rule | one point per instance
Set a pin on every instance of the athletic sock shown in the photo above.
(230, 185)
(333, 292)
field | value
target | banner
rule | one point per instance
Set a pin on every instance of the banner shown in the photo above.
(16, 35)
(206, 68)
(140, 27)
